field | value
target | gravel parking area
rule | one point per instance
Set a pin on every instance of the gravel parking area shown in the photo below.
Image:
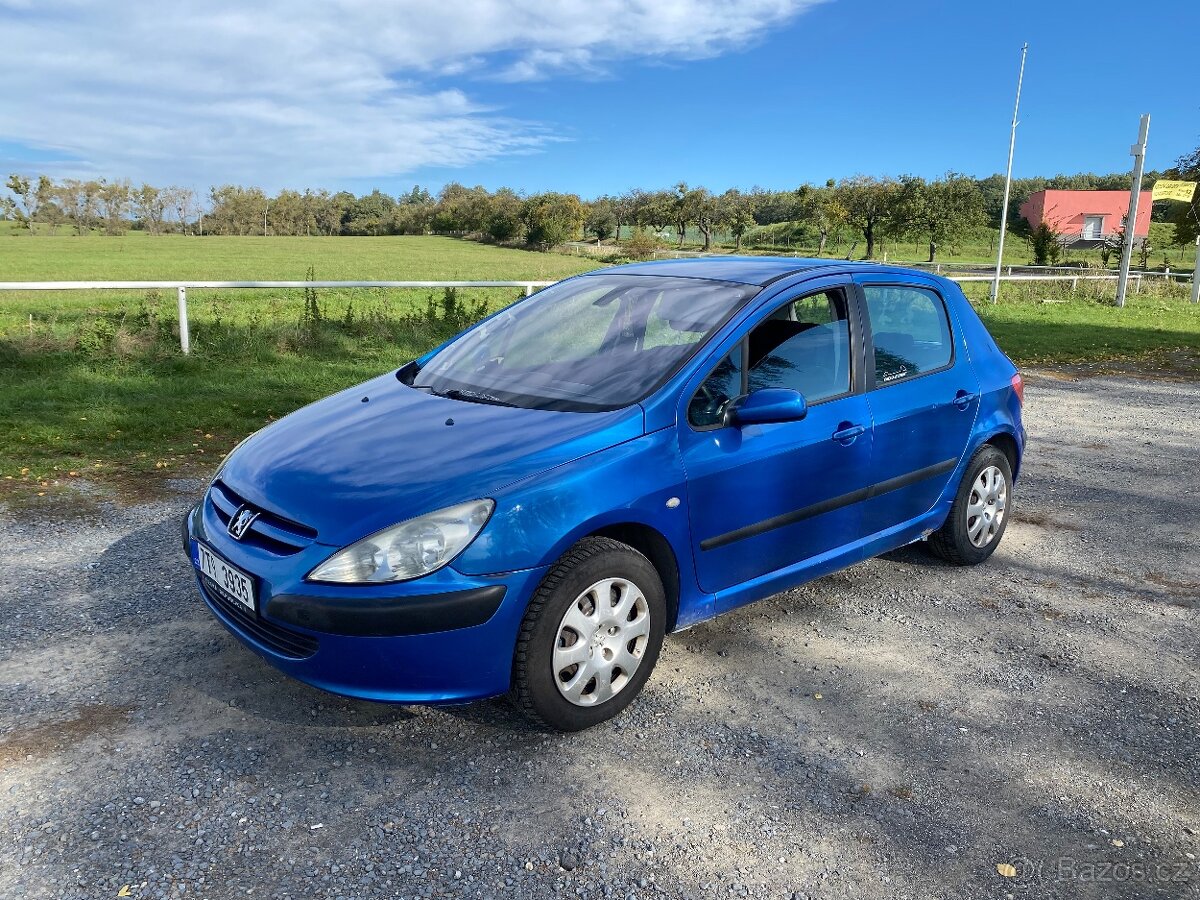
(900, 729)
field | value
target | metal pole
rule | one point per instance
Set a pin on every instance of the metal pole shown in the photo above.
(1138, 152)
(184, 342)
(1012, 143)
(1196, 274)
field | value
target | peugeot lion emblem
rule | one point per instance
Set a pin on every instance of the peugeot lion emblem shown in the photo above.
(241, 522)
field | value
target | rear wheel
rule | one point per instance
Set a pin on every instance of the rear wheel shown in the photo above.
(590, 637)
(980, 512)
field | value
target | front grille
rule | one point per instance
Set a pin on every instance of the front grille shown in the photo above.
(283, 641)
(272, 533)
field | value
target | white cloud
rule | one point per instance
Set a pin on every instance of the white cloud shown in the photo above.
(283, 93)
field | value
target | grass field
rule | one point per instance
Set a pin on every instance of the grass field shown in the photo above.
(1049, 324)
(139, 257)
(92, 384)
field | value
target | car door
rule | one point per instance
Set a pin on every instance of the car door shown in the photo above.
(764, 497)
(923, 397)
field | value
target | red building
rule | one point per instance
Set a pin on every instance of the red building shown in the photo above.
(1085, 216)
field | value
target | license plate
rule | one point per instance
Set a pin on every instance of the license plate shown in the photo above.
(236, 583)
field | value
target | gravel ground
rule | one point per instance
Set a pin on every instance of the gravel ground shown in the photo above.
(895, 730)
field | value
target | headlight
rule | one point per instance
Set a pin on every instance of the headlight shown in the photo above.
(408, 550)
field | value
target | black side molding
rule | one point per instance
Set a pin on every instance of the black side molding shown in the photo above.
(816, 509)
(388, 616)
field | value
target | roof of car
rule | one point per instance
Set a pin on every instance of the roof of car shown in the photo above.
(758, 270)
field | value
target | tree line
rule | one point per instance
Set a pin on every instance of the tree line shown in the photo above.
(111, 206)
(937, 212)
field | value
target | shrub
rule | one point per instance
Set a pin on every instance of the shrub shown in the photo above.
(503, 226)
(640, 245)
(1044, 243)
(448, 316)
(551, 219)
(1144, 249)
(95, 337)
(312, 316)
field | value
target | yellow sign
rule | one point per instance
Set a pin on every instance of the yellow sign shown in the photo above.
(1173, 190)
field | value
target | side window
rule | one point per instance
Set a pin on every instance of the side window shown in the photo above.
(910, 331)
(723, 384)
(804, 346)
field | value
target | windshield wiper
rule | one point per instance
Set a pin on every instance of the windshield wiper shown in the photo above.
(473, 397)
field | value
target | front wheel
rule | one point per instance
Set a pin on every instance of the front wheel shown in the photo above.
(980, 512)
(590, 637)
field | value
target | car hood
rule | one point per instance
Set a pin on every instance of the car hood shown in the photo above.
(384, 452)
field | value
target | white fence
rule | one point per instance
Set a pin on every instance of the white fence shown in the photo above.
(948, 269)
(181, 287)
(938, 268)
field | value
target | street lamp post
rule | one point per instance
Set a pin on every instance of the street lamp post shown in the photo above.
(1012, 143)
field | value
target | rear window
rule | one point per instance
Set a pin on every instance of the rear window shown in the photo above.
(910, 331)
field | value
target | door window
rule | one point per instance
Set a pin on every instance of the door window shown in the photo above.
(803, 345)
(910, 331)
(723, 384)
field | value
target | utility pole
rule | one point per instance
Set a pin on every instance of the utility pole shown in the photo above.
(1012, 143)
(1196, 274)
(1138, 152)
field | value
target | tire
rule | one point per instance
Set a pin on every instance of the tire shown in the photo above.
(972, 531)
(565, 690)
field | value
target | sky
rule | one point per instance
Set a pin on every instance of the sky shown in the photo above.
(591, 96)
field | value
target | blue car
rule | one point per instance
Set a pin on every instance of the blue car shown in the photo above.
(532, 506)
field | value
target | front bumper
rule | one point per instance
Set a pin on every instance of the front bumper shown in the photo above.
(445, 638)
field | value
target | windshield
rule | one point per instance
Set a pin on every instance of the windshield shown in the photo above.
(587, 344)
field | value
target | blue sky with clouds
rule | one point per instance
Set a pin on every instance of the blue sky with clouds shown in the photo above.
(593, 96)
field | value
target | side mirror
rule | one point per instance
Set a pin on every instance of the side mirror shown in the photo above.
(768, 405)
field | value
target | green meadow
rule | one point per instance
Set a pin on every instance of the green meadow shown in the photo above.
(92, 384)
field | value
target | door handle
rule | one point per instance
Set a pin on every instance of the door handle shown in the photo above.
(847, 433)
(963, 399)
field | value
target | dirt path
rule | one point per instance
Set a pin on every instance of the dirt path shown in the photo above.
(896, 730)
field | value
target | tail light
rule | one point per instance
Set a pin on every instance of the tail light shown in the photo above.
(1018, 386)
